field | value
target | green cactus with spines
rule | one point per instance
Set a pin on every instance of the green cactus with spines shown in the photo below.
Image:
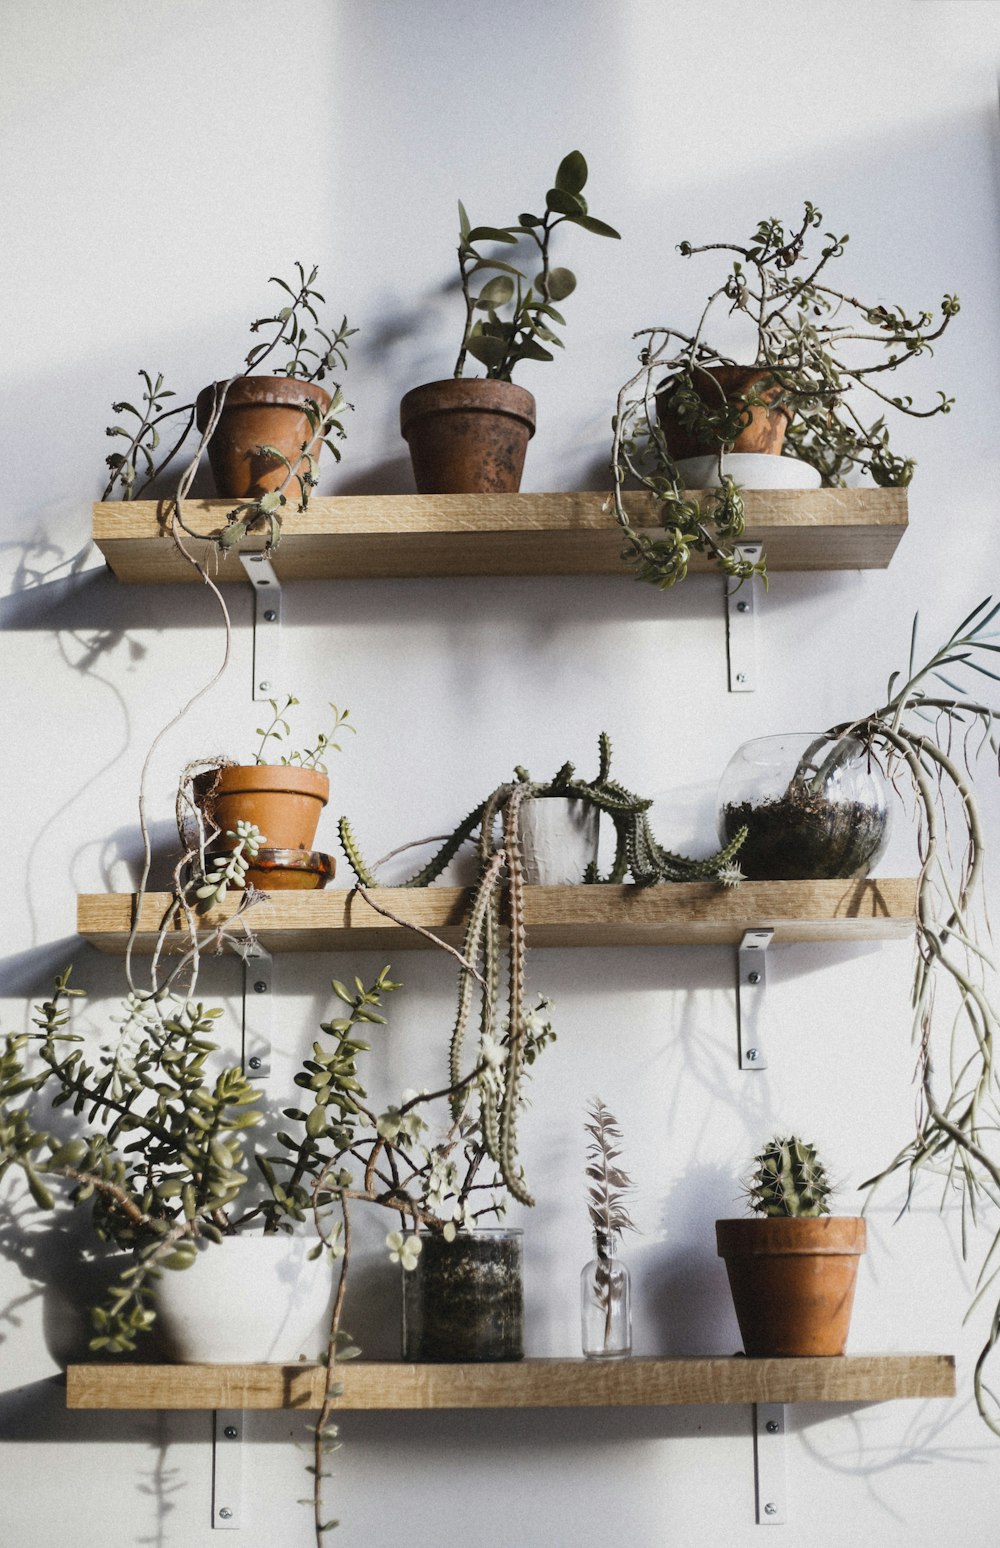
(790, 1180)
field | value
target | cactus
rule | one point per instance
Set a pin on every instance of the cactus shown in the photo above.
(789, 1179)
(636, 851)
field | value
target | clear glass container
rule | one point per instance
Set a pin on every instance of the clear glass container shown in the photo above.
(815, 807)
(606, 1303)
(464, 1300)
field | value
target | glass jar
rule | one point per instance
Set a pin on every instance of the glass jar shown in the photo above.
(815, 807)
(464, 1300)
(606, 1303)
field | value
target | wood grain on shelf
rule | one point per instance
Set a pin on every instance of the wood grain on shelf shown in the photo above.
(682, 914)
(363, 536)
(522, 1384)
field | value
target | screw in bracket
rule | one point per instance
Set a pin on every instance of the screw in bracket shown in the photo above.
(226, 1514)
(773, 1427)
(753, 978)
(230, 1432)
(255, 1063)
(770, 1509)
(260, 987)
(269, 616)
(741, 677)
(743, 607)
(752, 1055)
(265, 687)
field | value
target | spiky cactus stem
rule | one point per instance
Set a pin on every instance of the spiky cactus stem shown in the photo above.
(789, 1180)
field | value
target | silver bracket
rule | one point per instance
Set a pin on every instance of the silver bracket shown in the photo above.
(227, 1469)
(741, 641)
(258, 995)
(266, 623)
(770, 1482)
(751, 981)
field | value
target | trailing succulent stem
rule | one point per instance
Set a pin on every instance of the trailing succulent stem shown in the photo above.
(789, 1179)
(821, 354)
(636, 852)
(927, 742)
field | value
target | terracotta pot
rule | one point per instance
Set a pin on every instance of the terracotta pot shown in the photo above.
(467, 437)
(259, 411)
(792, 1281)
(764, 430)
(283, 801)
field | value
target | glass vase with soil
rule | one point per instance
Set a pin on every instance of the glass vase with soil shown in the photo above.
(464, 1299)
(815, 807)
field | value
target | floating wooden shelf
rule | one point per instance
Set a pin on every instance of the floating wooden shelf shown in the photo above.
(346, 537)
(684, 914)
(521, 1384)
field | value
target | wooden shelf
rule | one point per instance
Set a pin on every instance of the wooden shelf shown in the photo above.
(683, 914)
(521, 1384)
(346, 537)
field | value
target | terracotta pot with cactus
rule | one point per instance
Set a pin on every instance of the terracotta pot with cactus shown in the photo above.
(792, 1270)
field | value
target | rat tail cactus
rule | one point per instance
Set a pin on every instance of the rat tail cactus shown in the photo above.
(789, 1179)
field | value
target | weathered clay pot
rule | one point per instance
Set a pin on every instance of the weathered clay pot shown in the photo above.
(764, 430)
(290, 870)
(259, 411)
(467, 436)
(792, 1281)
(283, 801)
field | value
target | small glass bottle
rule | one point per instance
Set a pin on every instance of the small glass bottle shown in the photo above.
(606, 1302)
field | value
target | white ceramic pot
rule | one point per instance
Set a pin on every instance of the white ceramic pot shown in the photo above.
(751, 470)
(246, 1300)
(558, 840)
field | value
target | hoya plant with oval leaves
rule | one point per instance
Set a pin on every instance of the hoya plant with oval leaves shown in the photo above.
(510, 317)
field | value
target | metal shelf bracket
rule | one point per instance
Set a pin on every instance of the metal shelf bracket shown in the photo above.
(741, 641)
(769, 1472)
(751, 981)
(266, 623)
(258, 1018)
(227, 1469)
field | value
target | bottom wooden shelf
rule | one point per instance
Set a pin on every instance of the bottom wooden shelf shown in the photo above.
(562, 1383)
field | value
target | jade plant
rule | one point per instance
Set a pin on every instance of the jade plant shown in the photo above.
(297, 347)
(789, 1179)
(493, 827)
(819, 356)
(163, 1157)
(510, 318)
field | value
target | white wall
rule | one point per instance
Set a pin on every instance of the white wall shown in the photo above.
(160, 161)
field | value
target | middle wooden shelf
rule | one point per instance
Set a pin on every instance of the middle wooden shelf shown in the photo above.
(681, 914)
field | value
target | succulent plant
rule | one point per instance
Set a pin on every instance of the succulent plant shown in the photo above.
(497, 341)
(789, 1179)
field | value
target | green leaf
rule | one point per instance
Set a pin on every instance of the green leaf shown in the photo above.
(572, 173)
(496, 292)
(562, 283)
(490, 234)
(598, 227)
(463, 222)
(487, 350)
(562, 203)
(532, 351)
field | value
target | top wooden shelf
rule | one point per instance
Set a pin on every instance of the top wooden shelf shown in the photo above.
(546, 1383)
(670, 914)
(354, 537)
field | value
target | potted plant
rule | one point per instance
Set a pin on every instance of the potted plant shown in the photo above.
(791, 413)
(494, 826)
(469, 436)
(248, 822)
(793, 1268)
(263, 434)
